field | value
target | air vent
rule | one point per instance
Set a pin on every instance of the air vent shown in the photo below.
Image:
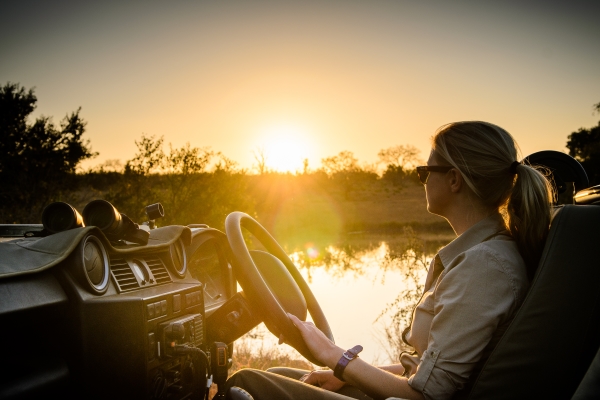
(123, 275)
(158, 270)
(198, 331)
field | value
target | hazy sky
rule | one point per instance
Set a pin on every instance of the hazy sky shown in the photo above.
(319, 77)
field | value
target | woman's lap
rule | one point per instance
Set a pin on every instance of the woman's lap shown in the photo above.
(283, 383)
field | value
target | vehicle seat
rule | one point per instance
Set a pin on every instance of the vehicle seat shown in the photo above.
(589, 388)
(551, 343)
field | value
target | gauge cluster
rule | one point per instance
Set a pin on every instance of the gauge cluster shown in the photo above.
(120, 318)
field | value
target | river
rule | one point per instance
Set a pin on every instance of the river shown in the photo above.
(365, 283)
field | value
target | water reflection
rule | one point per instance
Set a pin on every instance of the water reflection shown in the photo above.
(367, 286)
(357, 253)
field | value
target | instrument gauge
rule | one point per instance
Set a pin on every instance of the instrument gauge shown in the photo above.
(91, 264)
(178, 258)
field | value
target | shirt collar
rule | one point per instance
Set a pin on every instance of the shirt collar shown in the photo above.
(480, 232)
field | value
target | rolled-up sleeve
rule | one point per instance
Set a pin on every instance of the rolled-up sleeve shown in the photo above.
(470, 300)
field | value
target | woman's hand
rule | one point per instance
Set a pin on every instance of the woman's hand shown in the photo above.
(319, 345)
(373, 381)
(323, 379)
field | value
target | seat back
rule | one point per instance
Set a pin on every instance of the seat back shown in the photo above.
(555, 335)
(589, 388)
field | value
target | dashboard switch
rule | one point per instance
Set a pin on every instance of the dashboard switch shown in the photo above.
(176, 302)
(151, 346)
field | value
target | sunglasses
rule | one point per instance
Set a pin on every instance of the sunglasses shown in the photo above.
(424, 171)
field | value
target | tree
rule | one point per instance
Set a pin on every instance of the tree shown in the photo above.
(344, 172)
(400, 157)
(38, 160)
(343, 162)
(260, 156)
(183, 180)
(584, 146)
(399, 161)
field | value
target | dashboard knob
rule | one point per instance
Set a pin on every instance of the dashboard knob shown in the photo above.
(175, 331)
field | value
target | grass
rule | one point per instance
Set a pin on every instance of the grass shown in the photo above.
(265, 356)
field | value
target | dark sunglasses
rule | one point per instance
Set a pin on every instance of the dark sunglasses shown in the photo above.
(425, 170)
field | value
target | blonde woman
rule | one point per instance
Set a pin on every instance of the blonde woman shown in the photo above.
(500, 210)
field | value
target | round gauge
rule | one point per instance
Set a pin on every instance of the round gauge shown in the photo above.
(140, 272)
(178, 258)
(95, 264)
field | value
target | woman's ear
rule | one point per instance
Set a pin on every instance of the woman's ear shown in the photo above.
(455, 180)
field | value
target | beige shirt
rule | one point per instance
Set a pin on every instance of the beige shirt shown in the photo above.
(474, 287)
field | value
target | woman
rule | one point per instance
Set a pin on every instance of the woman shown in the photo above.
(500, 212)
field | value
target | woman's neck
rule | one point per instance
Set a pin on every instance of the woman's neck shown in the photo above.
(465, 216)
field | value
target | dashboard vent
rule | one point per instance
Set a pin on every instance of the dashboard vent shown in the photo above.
(198, 331)
(123, 275)
(158, 270)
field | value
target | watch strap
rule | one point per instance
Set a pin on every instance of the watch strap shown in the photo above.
(348, 356)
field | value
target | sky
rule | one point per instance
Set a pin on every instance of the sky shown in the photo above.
(305, 79)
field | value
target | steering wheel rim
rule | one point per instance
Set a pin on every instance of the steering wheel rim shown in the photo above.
(257, 290)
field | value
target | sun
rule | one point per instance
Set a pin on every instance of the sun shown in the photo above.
(285, 147)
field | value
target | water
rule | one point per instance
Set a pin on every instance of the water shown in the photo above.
(357, 280)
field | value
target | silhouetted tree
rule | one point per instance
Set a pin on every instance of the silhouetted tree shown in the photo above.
(38, 160)
(136, 189)
(345, 173)
(584, 145)
(343, 162)
(260, 156)
(400, 162)
(400, 157)
(183, 180)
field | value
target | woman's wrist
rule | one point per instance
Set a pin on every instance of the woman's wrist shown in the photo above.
(332, 356)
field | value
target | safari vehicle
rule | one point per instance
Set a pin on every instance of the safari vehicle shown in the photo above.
(121, 311)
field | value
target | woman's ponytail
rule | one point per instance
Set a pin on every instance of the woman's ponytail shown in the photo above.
(529, 214)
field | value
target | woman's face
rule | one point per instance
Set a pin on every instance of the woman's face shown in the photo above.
(436, 188)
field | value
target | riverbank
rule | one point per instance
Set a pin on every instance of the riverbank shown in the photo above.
(322, 215)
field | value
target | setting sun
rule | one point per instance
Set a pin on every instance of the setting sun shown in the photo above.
(284, 148)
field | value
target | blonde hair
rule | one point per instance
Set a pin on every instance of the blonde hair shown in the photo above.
(484, 154)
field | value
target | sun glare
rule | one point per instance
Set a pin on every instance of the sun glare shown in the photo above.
(285, 147)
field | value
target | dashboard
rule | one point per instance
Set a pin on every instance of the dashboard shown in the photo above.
(120, 321)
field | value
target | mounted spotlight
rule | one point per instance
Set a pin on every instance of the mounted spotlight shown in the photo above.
(59, 216)
(115, 225)
(154, 212)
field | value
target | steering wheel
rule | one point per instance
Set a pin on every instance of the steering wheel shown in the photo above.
(261, 281)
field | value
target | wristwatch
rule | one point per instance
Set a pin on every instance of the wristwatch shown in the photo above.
(348, 356)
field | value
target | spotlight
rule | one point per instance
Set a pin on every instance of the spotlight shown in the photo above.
(59, 216)
(116, 226)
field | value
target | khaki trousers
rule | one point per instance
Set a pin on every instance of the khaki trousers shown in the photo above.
(283, 383)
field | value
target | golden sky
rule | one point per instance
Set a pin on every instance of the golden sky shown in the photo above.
(304, 79)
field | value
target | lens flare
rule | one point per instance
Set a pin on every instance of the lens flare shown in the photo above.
(311, 251)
